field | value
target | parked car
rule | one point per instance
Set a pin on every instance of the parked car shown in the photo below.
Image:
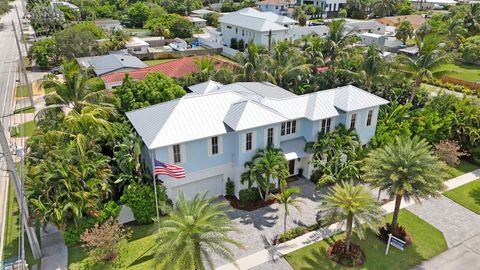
(56, 70)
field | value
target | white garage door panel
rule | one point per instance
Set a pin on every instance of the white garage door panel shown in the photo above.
(213, 185)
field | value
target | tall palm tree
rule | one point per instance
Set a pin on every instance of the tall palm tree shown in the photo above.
(372, 67)
(253, 64)
(337, 42)
(454, 32)
(383, 8)
(405, 169)
(341, 141)
(287, 65)
(471, 19)
(206, 68)
(268, 164)
(76, 91)
(192, 232)
(353, 205)
(285, 197)
(427, 65)
(313, 51)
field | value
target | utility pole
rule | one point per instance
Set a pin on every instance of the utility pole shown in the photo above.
(22, 67)
(22, 204)
(21, 30)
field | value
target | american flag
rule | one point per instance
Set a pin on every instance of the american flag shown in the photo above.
(168, 169)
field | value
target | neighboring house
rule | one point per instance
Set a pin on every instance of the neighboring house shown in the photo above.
(200, 12)
(365, 26)
(330, 7)
(381, 41)
(213, 131)
(251, 25)
(415, 20)
(56, 3)
(108, 24)
(197, 22)
(105, 64)
(317, 30)
(174, 69)
(137, 46)
(432, 4)
(279, 7)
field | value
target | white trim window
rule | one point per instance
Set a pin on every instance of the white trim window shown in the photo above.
(326, 125)
(177, 153)
(248, 141)
(270, 138)
(369, 120)
(353, 121)
(289, 127)
(215, 145)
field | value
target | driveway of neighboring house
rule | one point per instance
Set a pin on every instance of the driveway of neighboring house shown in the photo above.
(258, 228)
(455, 221)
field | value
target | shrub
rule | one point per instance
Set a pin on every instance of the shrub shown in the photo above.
(103, 241)
(72, 232)
(316, 175)
(233, 43)
(230, 188)
(141, 199)
(110, 209)
(241, 45)
(249, 195)
(292, 234)
(400, 232)
(449, 152)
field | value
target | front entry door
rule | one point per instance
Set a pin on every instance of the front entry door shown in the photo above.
(291, 166)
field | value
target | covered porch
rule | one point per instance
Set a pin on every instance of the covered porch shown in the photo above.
(298, 159)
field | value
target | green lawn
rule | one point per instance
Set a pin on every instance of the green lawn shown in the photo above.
(21, 91)
(462, 168)
(467, 195)
(156, 62)
(25, 110)
(12, 232)
(137, 253)
(24, 130)
(427, 242)
(132, 30)
(464, 71)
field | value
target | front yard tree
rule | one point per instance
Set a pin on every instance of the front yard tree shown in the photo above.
(404, 31)
(268, 164)
(285, 197)
(353, 205)
(405, 168)
(192, 232)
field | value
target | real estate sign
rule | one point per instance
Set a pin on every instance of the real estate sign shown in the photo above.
(394, 241)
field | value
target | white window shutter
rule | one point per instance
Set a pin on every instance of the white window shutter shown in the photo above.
(254, 140)
(170, 154)
(209, 146)
(220, 145)
(183, 153)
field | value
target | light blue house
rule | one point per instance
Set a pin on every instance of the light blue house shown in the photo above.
(214, 130)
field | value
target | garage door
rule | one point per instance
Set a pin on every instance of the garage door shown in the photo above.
(213, 185)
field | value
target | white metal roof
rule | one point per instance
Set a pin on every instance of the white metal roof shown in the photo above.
(239, 106)
(294, 149)
(250, 114)
(256, 20)
(205, 87)
(136, 42)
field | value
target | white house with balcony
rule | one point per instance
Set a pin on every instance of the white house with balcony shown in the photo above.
(214, 130)
(330, 7)
(251, 25)
(279, 7)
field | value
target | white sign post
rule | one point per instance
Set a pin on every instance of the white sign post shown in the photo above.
(394, 241)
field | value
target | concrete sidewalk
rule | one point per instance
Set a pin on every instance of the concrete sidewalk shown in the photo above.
(54, 250)
(276, 252)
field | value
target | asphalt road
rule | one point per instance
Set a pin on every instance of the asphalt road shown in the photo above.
(8, 76)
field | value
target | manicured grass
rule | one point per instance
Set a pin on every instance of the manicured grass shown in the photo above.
(12, 231)
(21, 91)
(156, 62)
(25, 110)
(24, 130)
(427, 242)
(467, 195)
(132, 30)
(462, 168)
(464, 71)
(137, 253)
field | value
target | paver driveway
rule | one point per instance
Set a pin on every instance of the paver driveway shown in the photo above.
(258, 228)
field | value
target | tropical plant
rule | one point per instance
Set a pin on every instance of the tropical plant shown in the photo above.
(127, 156)
(337, 42)
(47, 19)
(253, 64)
(404, 31)
(141, 199)
(471, 20)
(352, 206)
(383, 8)
(427, 65)
(372, 67)
(449, 152)
(192, 232)
(285, 197)
(470, 49)
(206, 68)
(406, 169)
(268, 164)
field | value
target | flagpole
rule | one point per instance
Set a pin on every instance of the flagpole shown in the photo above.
(155, 187)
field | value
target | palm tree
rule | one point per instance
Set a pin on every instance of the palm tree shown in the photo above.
(372, 66)
(353, 205)
(206, 68)
(337, 42)
(266, 165)
(76, 91)
(287, 65)
(313, 51)
(192, 232)
(406, 169)
(454, 32)
(253, 64)
(341, 141)
(427, 65)
(471, 19)
(286, 198)
(383, 8)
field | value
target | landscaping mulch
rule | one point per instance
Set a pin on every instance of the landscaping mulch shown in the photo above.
(354, 258)
(248, 206)
(399, 232)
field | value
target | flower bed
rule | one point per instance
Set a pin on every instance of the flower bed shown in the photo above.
(457, 85)
(354, 258)
(248, 206)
